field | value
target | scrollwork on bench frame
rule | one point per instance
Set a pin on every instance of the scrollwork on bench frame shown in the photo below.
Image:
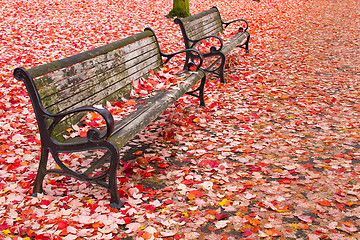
(48, 123)
(93, 141)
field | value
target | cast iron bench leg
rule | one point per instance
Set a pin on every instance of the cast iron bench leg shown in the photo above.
(247, 45)
(41, 172)
(201, 91)
(115, 199)
(221, 68)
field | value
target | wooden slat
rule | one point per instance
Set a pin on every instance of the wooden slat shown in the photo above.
(202, 32)
(203, 20)
(106, 74)
(138, 120)
(107, 85)
(235, 40)
(84, 83)
(110, 93)
(198, 15)
(205, 26)
(66, 77)
(81, 57)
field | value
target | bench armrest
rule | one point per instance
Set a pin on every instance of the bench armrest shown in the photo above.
(241, 29)
(93, 134)
(190, 51)
(212, 49)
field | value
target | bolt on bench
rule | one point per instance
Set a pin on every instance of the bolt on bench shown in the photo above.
(64, 91)
(205, 26)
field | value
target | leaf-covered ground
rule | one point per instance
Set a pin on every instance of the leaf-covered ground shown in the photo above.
(274, 155)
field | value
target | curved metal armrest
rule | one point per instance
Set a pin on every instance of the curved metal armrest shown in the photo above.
(212, 49)
(238, 20)
(169, 56)
(93, 134)
(190, 50)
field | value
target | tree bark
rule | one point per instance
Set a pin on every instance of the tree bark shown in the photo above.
(180, 9)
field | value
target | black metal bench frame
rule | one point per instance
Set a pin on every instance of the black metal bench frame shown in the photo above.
(97, 139)
(241, 39)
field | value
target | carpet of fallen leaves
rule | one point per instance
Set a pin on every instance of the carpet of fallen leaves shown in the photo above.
(274, 155)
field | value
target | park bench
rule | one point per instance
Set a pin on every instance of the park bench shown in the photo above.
(62, 92)
(207, 25)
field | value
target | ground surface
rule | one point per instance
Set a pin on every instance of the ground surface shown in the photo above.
(274, 155)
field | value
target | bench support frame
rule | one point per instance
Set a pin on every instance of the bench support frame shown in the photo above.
(95, 138)
(214, 52)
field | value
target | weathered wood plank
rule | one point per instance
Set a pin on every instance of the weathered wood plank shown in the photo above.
(155, 105)
(81, 57)
(204, 31)
(212, 17)
(86, 84)
(109, 94)
(106, 85)
(198, 15)
(203, 25)
(235, 40)
(66, 77)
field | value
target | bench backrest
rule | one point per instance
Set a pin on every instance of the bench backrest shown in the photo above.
(95, 76)
(98, 75)
(202, 24)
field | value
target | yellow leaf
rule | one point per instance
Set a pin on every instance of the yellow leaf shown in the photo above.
(6, 231)
(225, 202)
(285, 209)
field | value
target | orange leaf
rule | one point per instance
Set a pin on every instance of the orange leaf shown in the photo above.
(324, 202)
(248, 150)
(284, 209)
(83, 133)
(255, 222)
(211, 211)
(146, 235)
(348, 224)
(273, 232)
(303, 225)
(195, 194)
(130, 102)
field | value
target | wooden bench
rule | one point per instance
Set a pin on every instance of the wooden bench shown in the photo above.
(206, 25)
(62, 92)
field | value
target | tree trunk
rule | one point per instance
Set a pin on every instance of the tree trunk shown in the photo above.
(180, 9)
